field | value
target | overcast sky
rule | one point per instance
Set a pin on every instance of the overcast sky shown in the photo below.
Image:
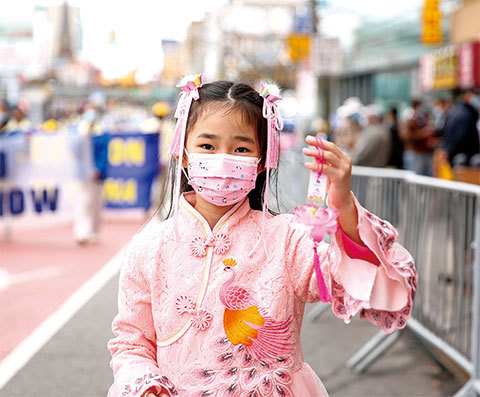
(141, 25)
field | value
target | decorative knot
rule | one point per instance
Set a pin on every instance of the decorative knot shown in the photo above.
(190, 84)
(270, 91)
(220, 244)
(201, 318)
(210, 241)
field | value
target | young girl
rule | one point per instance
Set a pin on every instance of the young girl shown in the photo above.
(211, 300)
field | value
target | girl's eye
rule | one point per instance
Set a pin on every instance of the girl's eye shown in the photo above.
(207, 146)
(242, 150)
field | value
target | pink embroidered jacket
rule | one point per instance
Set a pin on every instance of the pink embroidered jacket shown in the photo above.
(199, 317)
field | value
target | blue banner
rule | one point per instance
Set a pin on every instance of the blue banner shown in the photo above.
(40, 173)
(132, 163)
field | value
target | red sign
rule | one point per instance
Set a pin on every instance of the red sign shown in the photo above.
(469, 65)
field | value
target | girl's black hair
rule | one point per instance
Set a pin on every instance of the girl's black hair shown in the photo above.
(227, 96)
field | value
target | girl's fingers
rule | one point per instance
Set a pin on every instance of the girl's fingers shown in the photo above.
(327, 145)
(327, 156)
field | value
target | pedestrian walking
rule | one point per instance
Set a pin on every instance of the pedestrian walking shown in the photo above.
(211, 300)
(418, 136)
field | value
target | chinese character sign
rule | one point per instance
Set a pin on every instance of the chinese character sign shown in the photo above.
(431, 23)
(133, 162)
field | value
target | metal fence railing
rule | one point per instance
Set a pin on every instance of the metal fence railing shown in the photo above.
(439, 223)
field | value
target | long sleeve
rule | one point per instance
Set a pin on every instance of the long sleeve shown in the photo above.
(133, 348)
(381, 289)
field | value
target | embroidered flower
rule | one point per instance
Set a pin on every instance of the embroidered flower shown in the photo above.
(220, 243)
(201, 319)
(184, 304)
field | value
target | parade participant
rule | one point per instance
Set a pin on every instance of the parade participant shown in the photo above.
(211, 300)
(4, 116)
(91, 151)
(18, 121)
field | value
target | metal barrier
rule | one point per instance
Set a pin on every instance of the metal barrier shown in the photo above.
(439, 223)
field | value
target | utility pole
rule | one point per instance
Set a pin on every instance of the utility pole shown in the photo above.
(312, 5)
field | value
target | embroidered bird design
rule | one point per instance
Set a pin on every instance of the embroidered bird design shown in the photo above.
(248, 324)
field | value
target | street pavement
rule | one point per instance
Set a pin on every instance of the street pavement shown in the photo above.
(75, 361)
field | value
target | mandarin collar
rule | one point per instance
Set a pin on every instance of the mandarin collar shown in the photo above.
(237, 212)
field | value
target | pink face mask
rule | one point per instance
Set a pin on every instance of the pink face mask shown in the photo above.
(222, 179)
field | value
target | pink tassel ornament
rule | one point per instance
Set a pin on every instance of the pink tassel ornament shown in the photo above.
(318, 221)
(270, 94)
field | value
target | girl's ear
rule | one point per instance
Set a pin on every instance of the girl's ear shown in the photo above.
(184, 160)
(260, 168)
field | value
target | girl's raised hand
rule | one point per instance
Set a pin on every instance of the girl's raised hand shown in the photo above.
(337, 167)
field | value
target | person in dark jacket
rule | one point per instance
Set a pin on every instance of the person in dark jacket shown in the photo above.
(460, 133)
(396, 153)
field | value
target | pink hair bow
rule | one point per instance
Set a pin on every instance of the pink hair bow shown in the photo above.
(271, 94)
(189, 86)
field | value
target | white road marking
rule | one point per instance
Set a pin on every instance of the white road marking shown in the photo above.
(8, 279)
(20, 356)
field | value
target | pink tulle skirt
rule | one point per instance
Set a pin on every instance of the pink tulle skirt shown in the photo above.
(305, 382)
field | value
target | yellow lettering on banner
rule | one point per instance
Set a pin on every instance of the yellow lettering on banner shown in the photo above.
(136, 151)
(128, 152)
(130, 191)
(115, 151)
(120, 191)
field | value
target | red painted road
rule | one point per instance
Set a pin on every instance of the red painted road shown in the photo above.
(40, 268)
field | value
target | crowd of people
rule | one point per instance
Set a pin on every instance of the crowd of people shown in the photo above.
(87, 121)
(384, 139)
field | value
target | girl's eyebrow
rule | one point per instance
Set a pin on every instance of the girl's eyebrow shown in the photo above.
(207, 136)
(244, 138)
(241, 138)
